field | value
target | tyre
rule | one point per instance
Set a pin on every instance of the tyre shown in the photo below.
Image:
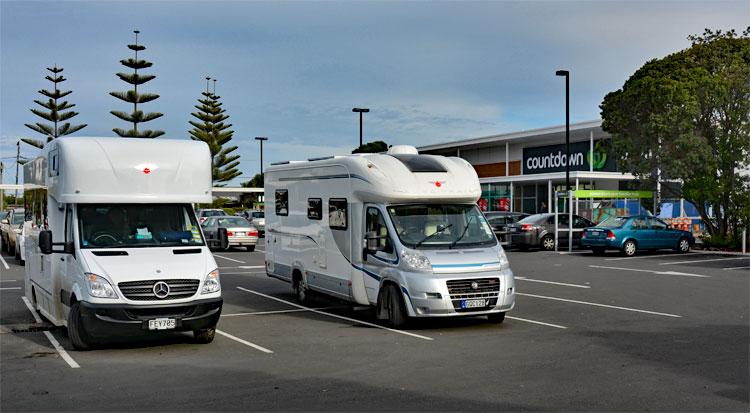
(629, 248)
(394, 307)
(300, 290)
(598, 251)
(251, 248)
(227, 248)
(496, 318)
(547, 243)
(76, 332)
(204, 336)
(683, 245)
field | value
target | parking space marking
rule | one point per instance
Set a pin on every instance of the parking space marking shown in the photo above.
(229, 259)
(638, 257)
(709, 260)
(5, 264)
(552, 282)
(296, 310)
(245, 267)
(536, 322)
(8, 281)
(245, 342)
(736, 268)
(600, 305)
(10, 288)
(682, 274)
(354, 320)
(60, 350)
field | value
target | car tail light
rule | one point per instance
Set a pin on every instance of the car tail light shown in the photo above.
(583, 234)
(230, 233)
(527, 227)
(611, 236)
(253, 233)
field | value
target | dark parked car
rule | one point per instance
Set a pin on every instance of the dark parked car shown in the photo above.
(499, 221)
(539, 231)
(630, 234)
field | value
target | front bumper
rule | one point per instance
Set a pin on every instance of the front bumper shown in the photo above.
(104, 320)
(429, 295)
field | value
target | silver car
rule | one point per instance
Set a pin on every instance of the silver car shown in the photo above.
(539, 231)
(239, 232)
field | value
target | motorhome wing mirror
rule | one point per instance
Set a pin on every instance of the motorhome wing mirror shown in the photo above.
(223, 238)
(69, 248)
(372, 242)
(4, 221)
(45, 242)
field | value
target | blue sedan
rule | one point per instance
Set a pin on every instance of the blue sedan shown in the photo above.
(630, 234)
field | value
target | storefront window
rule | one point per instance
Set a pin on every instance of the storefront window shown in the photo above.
(495, 197)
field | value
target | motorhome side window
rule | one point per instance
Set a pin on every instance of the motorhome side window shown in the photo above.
(375, 224)
(315, 208)
(337, 217)
(282, 202)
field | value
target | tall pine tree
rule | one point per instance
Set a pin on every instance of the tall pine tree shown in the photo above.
(132, 96)
(210, 128)
(56, 112)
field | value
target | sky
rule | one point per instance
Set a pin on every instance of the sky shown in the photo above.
(292, 71)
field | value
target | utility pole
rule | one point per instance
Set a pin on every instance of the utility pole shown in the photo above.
(18, 160)
(2, 192)
(261, 139)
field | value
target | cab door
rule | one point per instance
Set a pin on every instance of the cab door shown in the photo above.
(386, 257)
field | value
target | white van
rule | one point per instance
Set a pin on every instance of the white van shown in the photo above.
(399, 231)
(116, 247)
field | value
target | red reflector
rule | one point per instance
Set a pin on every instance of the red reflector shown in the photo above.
(526, 227)
(230, 233)
(438, 184)
(146, 171)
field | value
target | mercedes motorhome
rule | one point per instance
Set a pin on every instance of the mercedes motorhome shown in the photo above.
(399, 231)
(116, 247)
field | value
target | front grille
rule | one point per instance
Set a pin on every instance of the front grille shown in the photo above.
(144, 290)
(487, 289)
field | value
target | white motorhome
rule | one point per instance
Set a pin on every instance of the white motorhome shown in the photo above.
(399, 231)
(116, 247)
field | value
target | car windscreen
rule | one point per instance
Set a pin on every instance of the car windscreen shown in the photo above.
(613, 222)
(441, 226)
(137, 225)
(232, 222)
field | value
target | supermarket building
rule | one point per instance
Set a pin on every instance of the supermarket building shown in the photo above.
(521, 171)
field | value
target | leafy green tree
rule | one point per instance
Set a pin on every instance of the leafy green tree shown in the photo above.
(255, 182)
(687, 117)
(210, 128)
(372, 147)
(57, 112)
(132, 96)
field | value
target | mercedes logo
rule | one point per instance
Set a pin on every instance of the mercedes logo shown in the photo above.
(474, 285)
(161, 289)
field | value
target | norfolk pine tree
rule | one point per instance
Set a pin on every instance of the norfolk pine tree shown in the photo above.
(132, 96)
(210, 128)
(55, 112)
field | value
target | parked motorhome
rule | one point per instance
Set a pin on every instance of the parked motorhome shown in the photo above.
(116, 247)
(399, 231)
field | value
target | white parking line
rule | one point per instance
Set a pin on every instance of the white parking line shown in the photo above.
(259, 250)
(536, 322)
(638, 257)
(553, 282)
(245, 273)
(8, 281)
(296, 310)
(60, 350)
(682, 274)
(245, 267)
(737, 268)
(10, 288)
(5, 264)
(697, 261)
(335, 315)
(229, 259)
(245, 342)
(600, 305)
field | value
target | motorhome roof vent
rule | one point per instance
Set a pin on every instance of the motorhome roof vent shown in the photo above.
(402, 150)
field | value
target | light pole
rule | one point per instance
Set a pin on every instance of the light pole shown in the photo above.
(360, 111)
(261, 139)
(566, 74)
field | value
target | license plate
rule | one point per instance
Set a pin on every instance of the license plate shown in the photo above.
(514, 230)
(161, 324)
(473, 303)
(240, 234)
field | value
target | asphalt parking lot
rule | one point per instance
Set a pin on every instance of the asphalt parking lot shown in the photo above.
(659, 331)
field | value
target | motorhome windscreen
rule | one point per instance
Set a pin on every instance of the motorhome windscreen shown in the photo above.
(420, 163)
(425, 226)
(137, 225)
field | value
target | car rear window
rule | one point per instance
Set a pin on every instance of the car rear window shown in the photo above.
(613, 222)
(533, 219)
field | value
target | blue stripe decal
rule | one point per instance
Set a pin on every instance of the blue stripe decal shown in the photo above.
(370, 273)
(480, 264)
(405, 292)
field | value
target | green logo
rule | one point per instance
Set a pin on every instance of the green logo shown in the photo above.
(599, 158)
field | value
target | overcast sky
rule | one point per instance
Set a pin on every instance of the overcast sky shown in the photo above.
(428, 71)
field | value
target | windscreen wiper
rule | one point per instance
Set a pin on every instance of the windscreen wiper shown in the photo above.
(453, 244)
(438, 231)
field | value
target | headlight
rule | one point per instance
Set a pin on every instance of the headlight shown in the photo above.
(504, 264)
(416, 260)
(211, 284)
(99, 287)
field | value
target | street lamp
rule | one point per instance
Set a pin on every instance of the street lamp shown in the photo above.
(360, 111)
(261, 139)
(566, 74)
